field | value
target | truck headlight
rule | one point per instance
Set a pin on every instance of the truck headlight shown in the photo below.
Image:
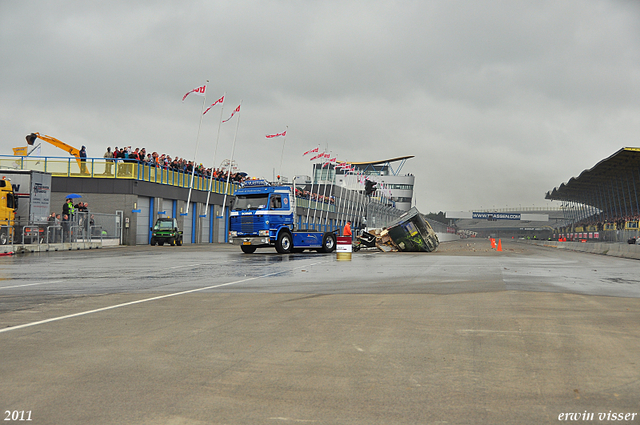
(233, 234)
(263, 233)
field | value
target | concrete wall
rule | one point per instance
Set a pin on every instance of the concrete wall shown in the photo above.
(618, 249)
(447, 237)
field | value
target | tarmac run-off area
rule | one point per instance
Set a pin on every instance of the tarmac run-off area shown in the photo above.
(207, 335)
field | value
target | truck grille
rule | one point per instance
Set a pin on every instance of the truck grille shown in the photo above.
(247, 224)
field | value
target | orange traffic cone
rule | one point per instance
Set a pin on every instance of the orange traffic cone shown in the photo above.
(493, 243)
(499, 245)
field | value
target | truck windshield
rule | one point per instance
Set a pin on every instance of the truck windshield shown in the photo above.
(164, 225)
(250, 202)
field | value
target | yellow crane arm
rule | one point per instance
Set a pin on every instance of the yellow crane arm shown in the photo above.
(31, 138)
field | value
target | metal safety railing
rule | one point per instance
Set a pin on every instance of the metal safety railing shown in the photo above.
(100, 168)
(84, 227)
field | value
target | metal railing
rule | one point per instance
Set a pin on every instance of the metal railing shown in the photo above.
(84, 227)
(517, 209)
(100, 168)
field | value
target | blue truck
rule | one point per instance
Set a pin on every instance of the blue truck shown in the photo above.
(264, 216)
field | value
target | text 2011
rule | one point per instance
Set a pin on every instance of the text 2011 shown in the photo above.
(17, 415)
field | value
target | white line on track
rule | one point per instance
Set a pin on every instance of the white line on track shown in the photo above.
(30, 284)
(111, 307)
(181, 267)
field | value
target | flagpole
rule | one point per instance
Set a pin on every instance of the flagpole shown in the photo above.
(193, 170)
(330, 192)
(362, 199)
(354, 204)
(206, 208)
(349, 208)
(343, 204)
(323, 195)
(284, 139)
(233, 149)
(323, 162)
(313, 177)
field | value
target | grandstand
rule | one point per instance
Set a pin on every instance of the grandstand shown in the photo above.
(603, 200)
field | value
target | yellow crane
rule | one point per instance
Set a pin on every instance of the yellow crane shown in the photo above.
(31, 138)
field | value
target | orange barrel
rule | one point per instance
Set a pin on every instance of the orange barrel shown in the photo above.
(343, 248)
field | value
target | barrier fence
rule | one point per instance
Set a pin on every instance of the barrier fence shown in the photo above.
(84, 227)
(608, 232)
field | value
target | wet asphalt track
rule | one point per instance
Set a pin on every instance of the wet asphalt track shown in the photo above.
(201, 334)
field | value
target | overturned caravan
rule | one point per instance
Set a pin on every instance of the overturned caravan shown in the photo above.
(411, 232)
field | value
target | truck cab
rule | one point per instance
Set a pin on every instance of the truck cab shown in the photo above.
(8, 206)
(264, 216)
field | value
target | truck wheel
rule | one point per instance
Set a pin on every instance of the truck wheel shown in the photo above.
(248, 249)
(172, 241)
(3, 238)
(283, 244)
(152, 242)
(180, 241)
(328, 243)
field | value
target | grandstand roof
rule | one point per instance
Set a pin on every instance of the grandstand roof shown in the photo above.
(384, 161)
(614, 175)
(382, 164)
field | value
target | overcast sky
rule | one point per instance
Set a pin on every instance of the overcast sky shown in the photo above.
(499, 101)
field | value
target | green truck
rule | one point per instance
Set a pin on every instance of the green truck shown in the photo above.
(166, 230)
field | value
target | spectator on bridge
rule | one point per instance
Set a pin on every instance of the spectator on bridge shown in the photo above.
(108, 155)
(83, 160)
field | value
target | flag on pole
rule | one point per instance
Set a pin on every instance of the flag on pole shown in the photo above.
(316, 150)
(320, 155)
(21, 151)
(284, 133)
(200, 91)
(233, 113)
(214, 104)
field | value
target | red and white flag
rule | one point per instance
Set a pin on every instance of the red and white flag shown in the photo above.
(233, 113)
(316, 150)
(200, 91)
(333, 160)
(326, 155)
(214, 104)
(284, 133)
(320, 155)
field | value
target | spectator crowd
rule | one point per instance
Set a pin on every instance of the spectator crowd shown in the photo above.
(620, 222)
(164, 161)
(167, 162)
(61, 226)
(305, 194)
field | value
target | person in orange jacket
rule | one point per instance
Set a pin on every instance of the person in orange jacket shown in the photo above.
(347, 229)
